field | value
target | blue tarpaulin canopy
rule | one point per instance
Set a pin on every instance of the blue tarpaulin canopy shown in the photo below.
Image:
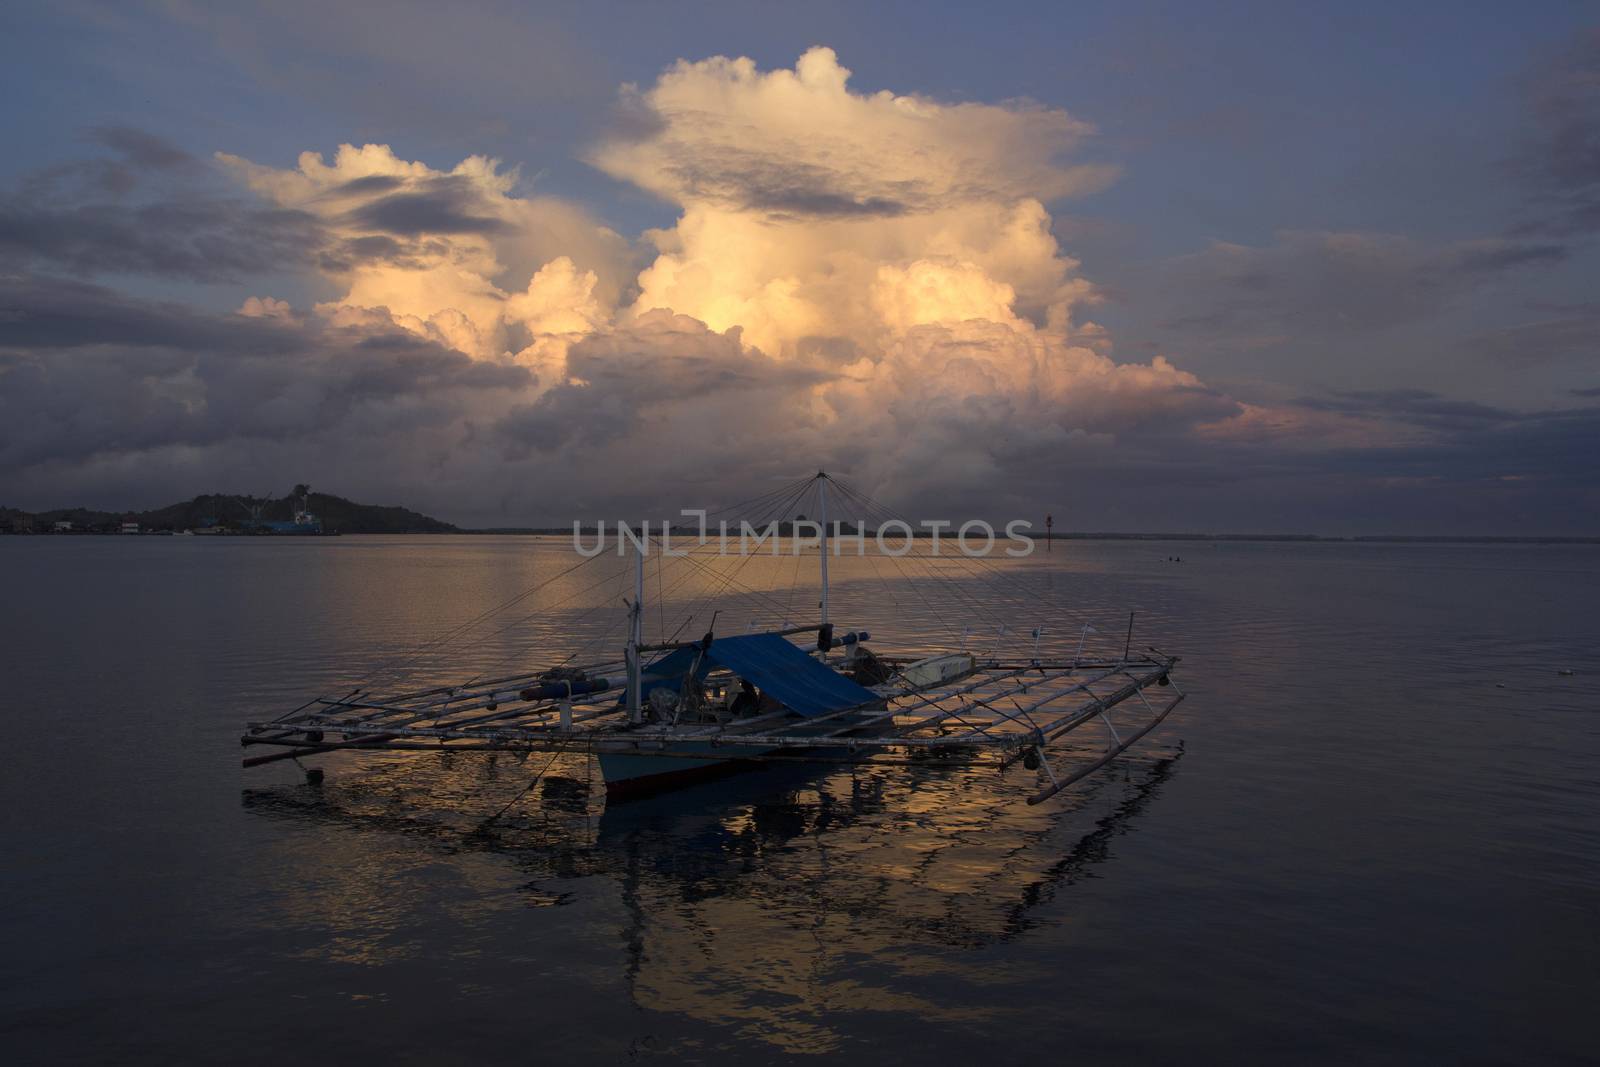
(772, 664)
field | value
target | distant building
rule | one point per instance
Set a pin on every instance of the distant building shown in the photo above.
(62, 526)
(130, 528)
(22, 524)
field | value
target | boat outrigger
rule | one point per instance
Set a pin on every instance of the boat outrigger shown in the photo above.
(671, 711)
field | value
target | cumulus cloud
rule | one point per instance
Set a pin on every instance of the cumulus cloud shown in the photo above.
(455, 256)
(862, 281)
(899, 246)
(849, 274)
(802, 200)
(260, 307)
(800, 142)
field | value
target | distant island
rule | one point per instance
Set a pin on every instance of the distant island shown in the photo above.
(233, 513)
(302, 511)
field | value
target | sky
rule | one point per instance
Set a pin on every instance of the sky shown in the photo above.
(1252, 268)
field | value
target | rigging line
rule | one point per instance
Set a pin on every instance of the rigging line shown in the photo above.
(490, 821)
(936, 572)
(448, 636)
(549, 607)
(912, 581)
(788, 602)
(504, 661)
(764, 500)
(485, 615)
(731, 577)
(677, 582)
(991, 568)
(975, 565)
(726, 580)
(451, 635)
(392, 670)
(887, 585)
(620, 618)
(610, 632)
(1019, 597)
(777, 510)
(1017, 592)
(761, 499)
(687, 575)
(784, 490)
(555, 604)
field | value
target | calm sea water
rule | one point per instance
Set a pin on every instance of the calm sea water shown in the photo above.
(1372, 833)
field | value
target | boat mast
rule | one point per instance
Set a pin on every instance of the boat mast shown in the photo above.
(636, 632)
(822, 500)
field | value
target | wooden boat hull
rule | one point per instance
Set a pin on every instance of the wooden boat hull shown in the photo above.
(629, 775)
(633, 773)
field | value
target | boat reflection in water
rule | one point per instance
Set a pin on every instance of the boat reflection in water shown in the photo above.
(766, 902)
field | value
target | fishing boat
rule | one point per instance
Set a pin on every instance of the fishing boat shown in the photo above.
(673, 711)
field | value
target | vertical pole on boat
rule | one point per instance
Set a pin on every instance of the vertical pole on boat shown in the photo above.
(822, 508)
(636, 633)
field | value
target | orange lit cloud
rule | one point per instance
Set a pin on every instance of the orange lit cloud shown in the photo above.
(893, 252)
(429, 249)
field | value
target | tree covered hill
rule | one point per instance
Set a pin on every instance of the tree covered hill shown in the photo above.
(233, 510)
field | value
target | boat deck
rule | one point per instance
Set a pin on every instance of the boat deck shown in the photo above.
(1003, 711)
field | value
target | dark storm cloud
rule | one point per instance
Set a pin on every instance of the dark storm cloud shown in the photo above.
(1562, 158)
(45, 313)
(141, 148)
(154, 211)
(439, 205)
(1415, 406)
(1552, 449)
(637, 377)
(1565, 99)
(104, 394)
(1335, 283)
(1472, 470)
(1571, 333)
(215, 241)
(87, 374)
(1469, 442)
(1474, 258)
(346, 253)
(372, 183)
(372, 247)
(757, 181)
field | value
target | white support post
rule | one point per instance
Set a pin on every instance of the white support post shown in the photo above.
(822, 498)
(1114, 737)
(1083, 637)
(636, 638)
